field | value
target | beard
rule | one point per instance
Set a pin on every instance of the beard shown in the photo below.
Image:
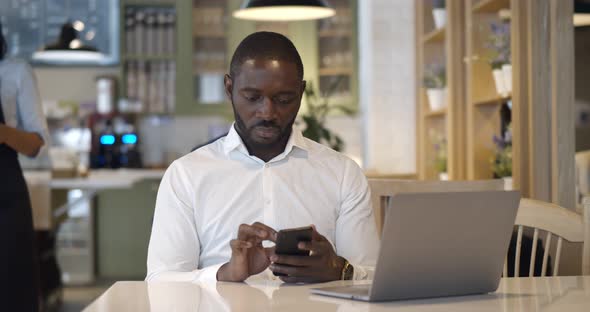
(249, 138)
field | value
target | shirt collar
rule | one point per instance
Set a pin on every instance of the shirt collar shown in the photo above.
(233, 141)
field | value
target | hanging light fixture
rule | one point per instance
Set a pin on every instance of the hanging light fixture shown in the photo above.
(68, 48)
(284, 10)
(581, 13)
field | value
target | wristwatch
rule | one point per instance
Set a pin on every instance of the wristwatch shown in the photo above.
(347, 271)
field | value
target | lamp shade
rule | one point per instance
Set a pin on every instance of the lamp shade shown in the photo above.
(284, 10)
(581, 13)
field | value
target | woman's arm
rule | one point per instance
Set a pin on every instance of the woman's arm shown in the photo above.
(28, 143)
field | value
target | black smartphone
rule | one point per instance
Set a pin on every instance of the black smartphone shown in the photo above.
(288, 239)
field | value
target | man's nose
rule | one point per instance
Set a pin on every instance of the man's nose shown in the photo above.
(267, 109)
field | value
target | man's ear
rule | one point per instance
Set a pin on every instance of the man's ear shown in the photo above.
(228, 86)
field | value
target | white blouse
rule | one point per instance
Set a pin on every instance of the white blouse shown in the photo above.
(21, 103)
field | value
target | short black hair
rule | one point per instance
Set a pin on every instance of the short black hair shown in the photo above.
(3, 45)
(267, 45)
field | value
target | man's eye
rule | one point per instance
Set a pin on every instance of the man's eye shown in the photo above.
(252, 98)
(284, 100)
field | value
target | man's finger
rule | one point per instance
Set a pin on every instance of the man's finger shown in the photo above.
(246, 232)
(292, 270)
(301, 261)
(271, 234)
(239, 245)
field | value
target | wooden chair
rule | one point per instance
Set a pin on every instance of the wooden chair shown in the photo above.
(555, 221)
(383, 189)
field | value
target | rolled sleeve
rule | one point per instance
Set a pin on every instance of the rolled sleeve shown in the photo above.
(356, 233)
(29, 110)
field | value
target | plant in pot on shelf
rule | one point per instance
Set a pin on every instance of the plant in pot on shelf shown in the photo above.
(314, 118)
(439, 13)
(502, 161)
(499, 46)
(439, 144)
(435, 82)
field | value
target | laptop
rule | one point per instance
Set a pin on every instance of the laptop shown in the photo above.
(438, 245)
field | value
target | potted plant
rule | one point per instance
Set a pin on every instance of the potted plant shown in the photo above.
(314, 118)
(435, 82)
(439, 144)
(502, 161)
(499, 47)
(439, 13)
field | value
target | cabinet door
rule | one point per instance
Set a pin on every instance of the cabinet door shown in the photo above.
(123, 226)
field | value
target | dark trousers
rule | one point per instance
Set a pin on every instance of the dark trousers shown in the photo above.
(19, 265)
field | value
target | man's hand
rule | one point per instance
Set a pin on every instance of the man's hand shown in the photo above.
(3, 133)
(322, 265)
(248, 256)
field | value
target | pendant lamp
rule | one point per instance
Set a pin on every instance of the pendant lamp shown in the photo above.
(284, 10)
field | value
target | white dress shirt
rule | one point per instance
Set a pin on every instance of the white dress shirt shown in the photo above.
(205, 196)
(21, 103)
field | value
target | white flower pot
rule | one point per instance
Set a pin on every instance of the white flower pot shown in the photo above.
(499, 80)
(437, 98)
(507, 72)
(440, 17)
(443, 176)
(508, 183)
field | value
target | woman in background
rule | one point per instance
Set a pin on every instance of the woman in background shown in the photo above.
(23, 130)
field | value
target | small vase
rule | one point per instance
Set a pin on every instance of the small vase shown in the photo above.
(507, 73)
(499, 80)
(437, 98)
(443, 176)
(440, 17)
(508, 183)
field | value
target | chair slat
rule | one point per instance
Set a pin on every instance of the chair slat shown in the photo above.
(546, 254)
(517, 253)
(533, 253)
(505, 270)
(557, 256)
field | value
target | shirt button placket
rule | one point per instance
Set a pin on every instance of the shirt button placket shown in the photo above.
(266, 190)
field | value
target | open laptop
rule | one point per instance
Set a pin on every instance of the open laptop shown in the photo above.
(439, 244)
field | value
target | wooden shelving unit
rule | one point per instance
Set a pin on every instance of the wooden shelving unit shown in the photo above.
(441, 45)
(436, 113)
(490, 6)
(484, 104)
(436, 35)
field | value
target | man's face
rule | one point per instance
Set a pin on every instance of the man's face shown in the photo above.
(266, 96)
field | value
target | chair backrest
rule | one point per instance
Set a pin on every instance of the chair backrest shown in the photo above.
(383, 189)
(555, 221)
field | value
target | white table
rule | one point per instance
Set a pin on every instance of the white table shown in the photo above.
(569, 294)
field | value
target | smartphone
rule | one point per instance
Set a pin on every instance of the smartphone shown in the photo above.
(288, 239)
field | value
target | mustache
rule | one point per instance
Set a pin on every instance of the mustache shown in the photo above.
(267, 124)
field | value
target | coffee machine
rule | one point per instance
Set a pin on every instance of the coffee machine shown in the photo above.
(114, 142)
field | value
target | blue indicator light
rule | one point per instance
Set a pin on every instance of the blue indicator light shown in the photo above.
(107, 139)
(129, 138)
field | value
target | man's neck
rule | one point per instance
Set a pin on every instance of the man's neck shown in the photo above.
(266, 153)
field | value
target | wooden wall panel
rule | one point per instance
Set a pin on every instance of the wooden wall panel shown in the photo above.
(562, 106)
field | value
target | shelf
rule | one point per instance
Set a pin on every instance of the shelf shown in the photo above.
(493, 101)
(210, 35)
(490, 6)
(137, 57)
(331, 33)
(335, 71)
(436, 113)
(149, 3)
(437, 35)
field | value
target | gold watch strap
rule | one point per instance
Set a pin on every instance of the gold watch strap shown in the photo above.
(347, 266)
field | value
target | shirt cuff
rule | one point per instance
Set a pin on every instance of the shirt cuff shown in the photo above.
(208, 274)
(362, 272)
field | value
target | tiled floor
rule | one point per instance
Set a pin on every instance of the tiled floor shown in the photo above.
(75, 299)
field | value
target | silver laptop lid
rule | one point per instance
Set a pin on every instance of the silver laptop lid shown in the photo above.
(444, 244)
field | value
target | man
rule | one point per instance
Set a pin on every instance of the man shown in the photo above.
(218, 204)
